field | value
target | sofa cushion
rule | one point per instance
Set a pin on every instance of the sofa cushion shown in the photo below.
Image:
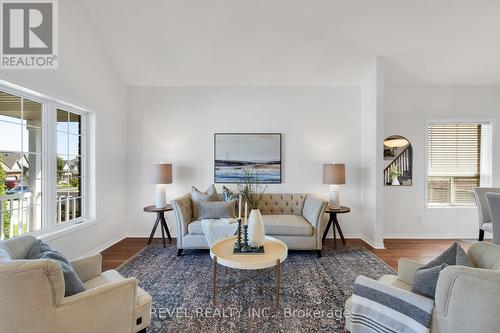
(287, 225)
(274, 225)
(194, 228)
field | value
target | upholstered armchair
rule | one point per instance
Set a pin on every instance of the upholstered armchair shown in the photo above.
(467, 299)
(483, 209)
(32, 295)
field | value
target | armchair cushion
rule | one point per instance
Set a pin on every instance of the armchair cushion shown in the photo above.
(407, 269)
(88, 267)
(72, 284)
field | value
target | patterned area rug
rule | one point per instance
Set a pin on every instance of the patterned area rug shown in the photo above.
(312, 295)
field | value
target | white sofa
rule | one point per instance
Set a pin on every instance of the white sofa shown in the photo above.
(294, 218)
(467, 299)
(32, 295)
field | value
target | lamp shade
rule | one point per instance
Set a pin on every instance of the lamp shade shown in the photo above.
(334, 174)
(161, 173)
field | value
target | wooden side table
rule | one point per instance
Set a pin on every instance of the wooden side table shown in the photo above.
(160, 218)
(333, 219)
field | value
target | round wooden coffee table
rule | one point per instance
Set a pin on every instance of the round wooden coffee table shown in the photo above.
(222, 253)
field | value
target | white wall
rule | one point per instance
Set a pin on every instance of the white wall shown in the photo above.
(371, 132)
(319, 125)
(87, 76)
(406, 112)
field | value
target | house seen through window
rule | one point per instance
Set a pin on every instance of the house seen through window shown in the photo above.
(42, 165)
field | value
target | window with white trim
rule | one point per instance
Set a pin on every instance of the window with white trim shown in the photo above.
(458, 159)
(43, 164)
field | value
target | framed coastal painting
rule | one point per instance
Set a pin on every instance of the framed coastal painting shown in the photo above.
(240, 155)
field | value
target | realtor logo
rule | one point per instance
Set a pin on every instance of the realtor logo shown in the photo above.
(29, 34)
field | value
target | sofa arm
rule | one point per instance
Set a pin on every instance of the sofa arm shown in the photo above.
(313, 211)
(407, 269)
(183, 210)
(89, 311)
(88, 267)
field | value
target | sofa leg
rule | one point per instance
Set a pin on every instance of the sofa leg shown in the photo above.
(318, 252)
(481, 235)
(179, 252)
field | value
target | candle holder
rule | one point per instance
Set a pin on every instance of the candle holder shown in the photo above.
(245, 247)
(238, 245)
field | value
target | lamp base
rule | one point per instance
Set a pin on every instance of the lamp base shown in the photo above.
(334, 197)
(161, 198)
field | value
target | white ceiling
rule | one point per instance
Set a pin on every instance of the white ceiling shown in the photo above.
(299, 42)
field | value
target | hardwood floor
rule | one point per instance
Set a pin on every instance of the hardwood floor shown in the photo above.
(422, 250)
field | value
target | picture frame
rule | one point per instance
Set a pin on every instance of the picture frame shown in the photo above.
(259, 153)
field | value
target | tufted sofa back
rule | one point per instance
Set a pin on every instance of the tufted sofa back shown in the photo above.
(282, 204)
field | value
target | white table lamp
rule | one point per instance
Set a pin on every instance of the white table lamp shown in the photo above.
(334, 175)
(161, 174)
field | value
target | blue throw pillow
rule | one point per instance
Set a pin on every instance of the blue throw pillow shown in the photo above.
(425, 280)
(72, 283)
(228, 194)
(454, 255)
(426, 277)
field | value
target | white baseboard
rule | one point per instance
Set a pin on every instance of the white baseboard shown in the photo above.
(378, 246)
(363, 238)
(430, 236)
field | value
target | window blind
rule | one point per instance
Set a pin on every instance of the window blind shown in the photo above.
(456, 152)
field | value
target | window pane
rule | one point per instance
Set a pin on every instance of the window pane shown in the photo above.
(463, 194)
(68, 208)
(11, 168)
(10, 136)
(21, 165)
(32, 167)
(62, 121)
(439, 190)
(455, 153)
(68, 166)
(74, 125)
(62, 144)
(20, 219)
(32, 113)
(10, 108)
(74, 147)
(75, 208)
(32, 140)
(75, 186)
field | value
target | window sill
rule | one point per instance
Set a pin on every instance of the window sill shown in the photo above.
(67, 230)
(451, 208)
